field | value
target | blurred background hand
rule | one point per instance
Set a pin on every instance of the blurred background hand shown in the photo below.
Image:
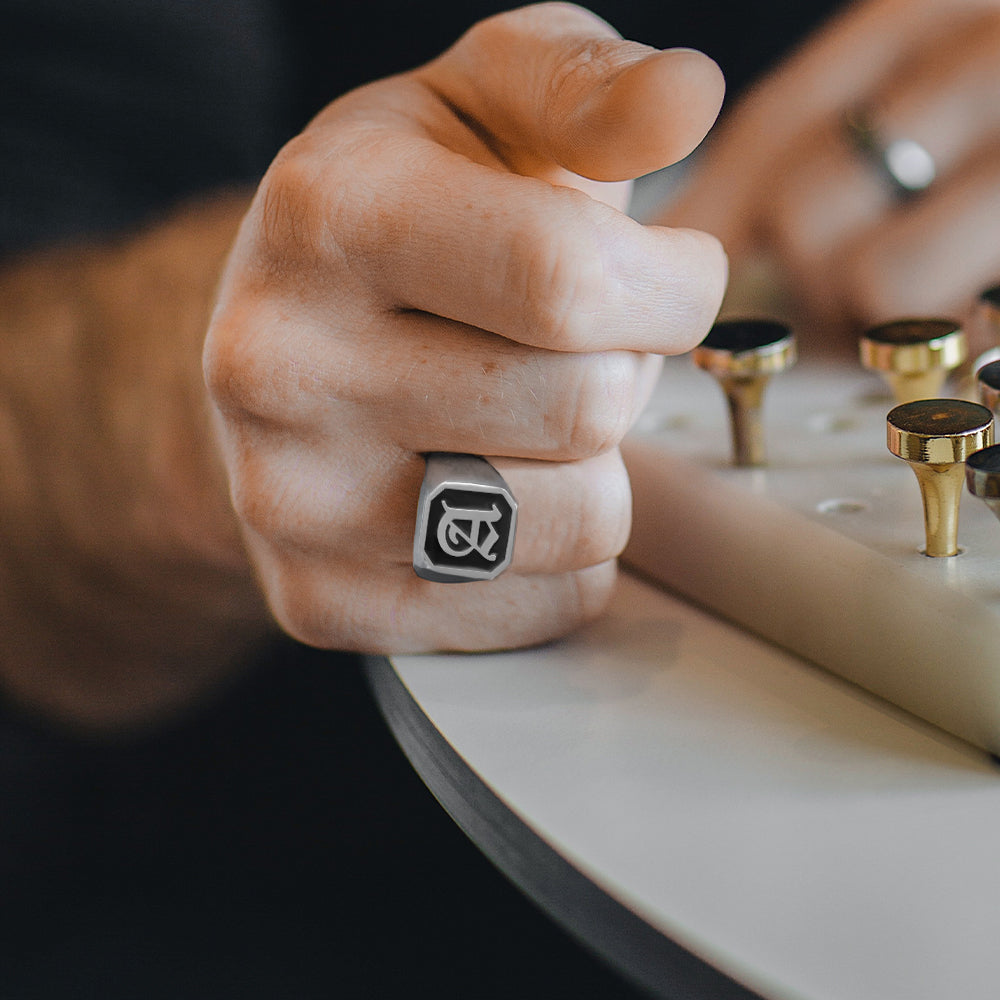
(786, 177)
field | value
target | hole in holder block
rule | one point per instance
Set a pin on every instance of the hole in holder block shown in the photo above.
(841, 505)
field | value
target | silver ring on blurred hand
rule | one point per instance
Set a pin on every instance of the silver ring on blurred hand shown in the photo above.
(905, 165)
(466, 518)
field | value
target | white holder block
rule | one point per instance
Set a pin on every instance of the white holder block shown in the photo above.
(820, 551)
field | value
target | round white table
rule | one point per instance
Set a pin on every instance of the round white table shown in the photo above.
(716, 817)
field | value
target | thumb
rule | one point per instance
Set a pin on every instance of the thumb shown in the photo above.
(554, 84)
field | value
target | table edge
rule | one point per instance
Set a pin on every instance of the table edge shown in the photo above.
(622, 938)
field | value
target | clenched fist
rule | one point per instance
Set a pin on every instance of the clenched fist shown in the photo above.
(441, 262)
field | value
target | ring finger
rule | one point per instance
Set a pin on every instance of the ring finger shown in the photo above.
(942, 99)
(570, 515)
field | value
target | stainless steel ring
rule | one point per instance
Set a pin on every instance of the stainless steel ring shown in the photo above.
(466, 520)
(904, 164)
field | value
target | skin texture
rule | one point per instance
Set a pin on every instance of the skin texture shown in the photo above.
(779, 177)
(440, 264)
(421, 269)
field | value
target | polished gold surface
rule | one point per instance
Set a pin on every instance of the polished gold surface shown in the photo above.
(936, 436)
(914, 356)
(982, 477)
(989, 396)
(743, 371)
(988, 384)
(770, 359)
(745, 398)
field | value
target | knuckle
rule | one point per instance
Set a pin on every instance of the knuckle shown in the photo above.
(296, 601)
(310, 500)
(593, 589)
(716, 281)
(563, 281)
(329, 580)
(262, 504)
(700, 297)
(216, 362)
(594, 525)
(483, 34)
(574, 74)
(294, 187)
(600, 410)
(607, 516)
(554, 15)
(237, 379)
(329, 605)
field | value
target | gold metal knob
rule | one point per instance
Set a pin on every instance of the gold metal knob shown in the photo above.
(988, 384)
(936, 436)
(982, 476)
(743, 354)
(914, 356)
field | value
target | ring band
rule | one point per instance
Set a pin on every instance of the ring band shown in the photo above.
(906, 166)
(466, 518)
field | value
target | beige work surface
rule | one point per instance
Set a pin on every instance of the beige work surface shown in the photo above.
(791, 830)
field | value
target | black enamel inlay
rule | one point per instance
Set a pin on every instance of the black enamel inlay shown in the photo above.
(903, 332)
(742, 335)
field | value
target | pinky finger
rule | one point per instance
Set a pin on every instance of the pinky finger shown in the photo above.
(395, 611)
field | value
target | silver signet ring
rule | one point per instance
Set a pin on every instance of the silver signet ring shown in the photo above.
(466, 516)
(906, 166)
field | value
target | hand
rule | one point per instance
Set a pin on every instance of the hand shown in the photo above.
(439, 263)
(783, 176)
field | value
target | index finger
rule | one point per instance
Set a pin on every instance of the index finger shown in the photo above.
(536, 263)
